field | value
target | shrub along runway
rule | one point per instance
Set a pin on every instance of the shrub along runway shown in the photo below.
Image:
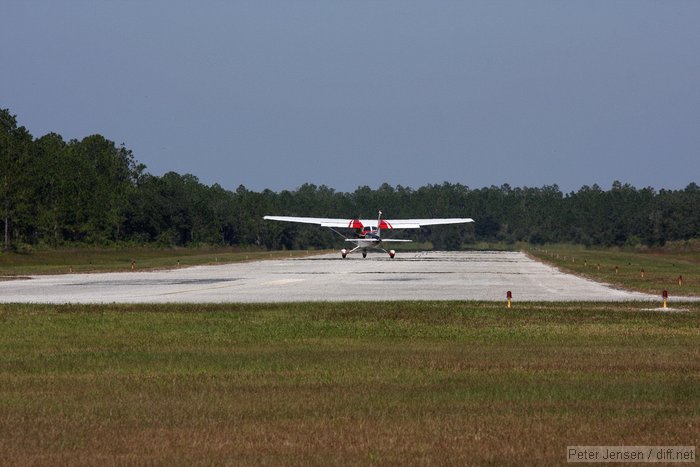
(410, 276)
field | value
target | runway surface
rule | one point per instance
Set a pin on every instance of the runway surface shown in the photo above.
(410, 276)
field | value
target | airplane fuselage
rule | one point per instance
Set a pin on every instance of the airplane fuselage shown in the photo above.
(369, 233)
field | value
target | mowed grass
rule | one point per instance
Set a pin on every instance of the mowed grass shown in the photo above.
(650, 271)
(346, 383)
(64, 261)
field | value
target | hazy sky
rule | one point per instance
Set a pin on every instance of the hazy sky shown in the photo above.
(273, 94)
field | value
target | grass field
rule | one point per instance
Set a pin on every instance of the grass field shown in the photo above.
(63, 261)
(651, 270)
(367, 383)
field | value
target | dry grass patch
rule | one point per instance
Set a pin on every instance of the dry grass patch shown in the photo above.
(416, 383)
(645, 270)
(83, 260)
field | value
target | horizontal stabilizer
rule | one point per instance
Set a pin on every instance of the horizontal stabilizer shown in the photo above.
(376, 240)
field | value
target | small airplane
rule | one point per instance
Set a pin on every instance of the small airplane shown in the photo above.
(369, 231)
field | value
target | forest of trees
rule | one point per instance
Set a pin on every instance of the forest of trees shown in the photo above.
(93, 192)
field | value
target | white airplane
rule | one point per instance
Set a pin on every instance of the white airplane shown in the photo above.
(369, 231)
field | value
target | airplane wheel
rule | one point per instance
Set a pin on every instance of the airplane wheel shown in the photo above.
(364, 254)
(343, 253)
(392, 253)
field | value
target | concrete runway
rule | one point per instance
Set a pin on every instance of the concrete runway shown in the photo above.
(430, 275)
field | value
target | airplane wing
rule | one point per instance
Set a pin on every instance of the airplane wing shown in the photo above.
(322, 221)
(416, 223)
(360, 223)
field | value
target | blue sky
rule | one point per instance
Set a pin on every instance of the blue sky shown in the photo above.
(274, 94)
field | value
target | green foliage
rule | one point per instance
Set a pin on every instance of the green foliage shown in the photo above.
(16, 181)
(94, 192)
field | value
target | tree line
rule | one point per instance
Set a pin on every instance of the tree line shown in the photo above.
(93, 192)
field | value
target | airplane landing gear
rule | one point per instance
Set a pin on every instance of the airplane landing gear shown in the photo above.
(344, 252)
